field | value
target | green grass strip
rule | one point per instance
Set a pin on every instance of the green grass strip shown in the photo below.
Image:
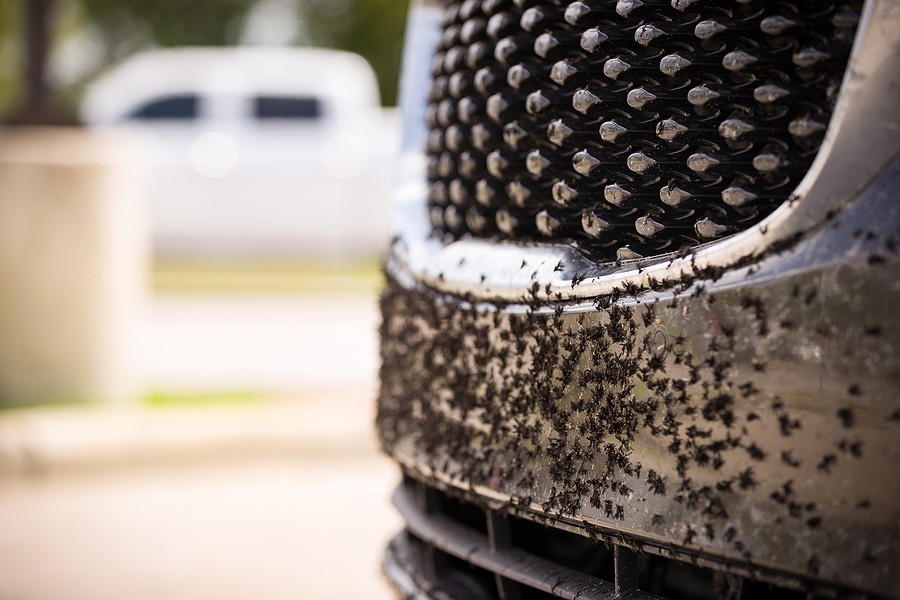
(160, 398)
(265, 277)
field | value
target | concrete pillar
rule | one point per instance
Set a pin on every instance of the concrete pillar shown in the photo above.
(72, 261)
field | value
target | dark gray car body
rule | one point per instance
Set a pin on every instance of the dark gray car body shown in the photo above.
(734, 408)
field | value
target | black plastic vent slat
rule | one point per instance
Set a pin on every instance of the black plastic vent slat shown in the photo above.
(456, 540)
(532, 560)
(628, 128)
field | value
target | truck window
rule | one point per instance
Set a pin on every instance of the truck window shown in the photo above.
(287, 107)
(181, 107)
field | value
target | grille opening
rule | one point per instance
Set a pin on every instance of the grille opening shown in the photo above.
(563, 548)
(465, 575)
(681, 581)
(468, 581)
(527, 593)
(465, 513)
(627, 129)
(665, 577)
(457, 574)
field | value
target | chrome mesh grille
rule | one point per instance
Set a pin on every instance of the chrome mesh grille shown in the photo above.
(627, 128)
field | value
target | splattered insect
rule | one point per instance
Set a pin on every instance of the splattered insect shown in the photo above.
(555, 411)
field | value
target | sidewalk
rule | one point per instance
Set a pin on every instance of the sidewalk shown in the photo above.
(63, 440)
(286, 499)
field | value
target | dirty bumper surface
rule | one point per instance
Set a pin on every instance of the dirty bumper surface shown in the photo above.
(745, 419)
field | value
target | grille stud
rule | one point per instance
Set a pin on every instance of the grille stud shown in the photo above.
(627, 129)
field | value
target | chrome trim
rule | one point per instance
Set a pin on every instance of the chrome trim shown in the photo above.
(866, 120)
(423, 30)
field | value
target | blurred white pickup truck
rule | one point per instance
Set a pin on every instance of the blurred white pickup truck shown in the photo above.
(256, 153)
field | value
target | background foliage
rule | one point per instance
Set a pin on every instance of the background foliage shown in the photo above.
(372, 28)
(111, 30)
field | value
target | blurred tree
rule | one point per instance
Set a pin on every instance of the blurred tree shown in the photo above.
(372, 28)
(128, 23)
(10, 52)
(32, 29)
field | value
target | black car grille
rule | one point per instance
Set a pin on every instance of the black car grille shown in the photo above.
(627, 128)
(459, 550)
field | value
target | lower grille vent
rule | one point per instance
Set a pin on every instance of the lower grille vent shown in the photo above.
(628, 128)
(444, 553)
